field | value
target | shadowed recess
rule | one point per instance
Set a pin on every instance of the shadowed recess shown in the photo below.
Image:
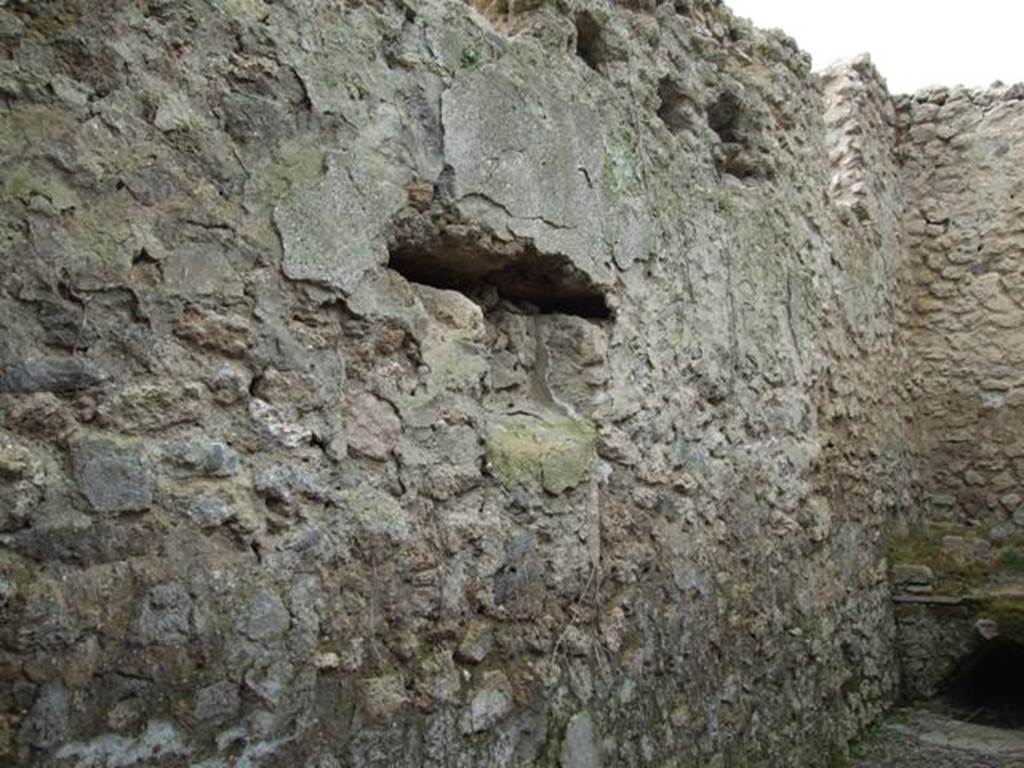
(989, 685)
(470, 262)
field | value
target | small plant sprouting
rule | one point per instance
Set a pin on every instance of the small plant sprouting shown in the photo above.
(469, 57)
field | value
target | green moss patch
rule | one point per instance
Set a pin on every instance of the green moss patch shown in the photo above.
(959, 571)
(953, 576)
(1011, 560)
(1008, 612)
(528, 450)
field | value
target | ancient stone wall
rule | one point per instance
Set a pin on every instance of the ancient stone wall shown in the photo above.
(963, 160)
(405, 384)
(958, 564)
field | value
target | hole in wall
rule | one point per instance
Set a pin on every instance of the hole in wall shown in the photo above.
(988, 687)
(741, 153)
(724, 117)
(677, 109)
(597, 43)
(589, 46)
(473, 263)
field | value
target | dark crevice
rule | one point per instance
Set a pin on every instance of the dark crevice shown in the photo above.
(254, 385)
(444, 186)
(597, 43)
(677, 110)
(724, 117)
(989, 685)
(588, 41)
(474, 264)
(741, 152)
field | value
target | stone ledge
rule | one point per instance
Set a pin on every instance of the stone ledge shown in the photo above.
(929, 599)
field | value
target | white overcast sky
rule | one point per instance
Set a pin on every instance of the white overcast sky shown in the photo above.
(914, 43)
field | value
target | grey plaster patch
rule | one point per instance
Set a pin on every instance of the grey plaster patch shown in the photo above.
(332, 230)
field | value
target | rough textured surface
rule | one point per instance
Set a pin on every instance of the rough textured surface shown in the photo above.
(915, 738)
(962, 315)
(423, 384)
(962, 157)
(937, 637)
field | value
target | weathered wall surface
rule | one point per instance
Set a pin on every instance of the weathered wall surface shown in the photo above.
(388, 383)
(963, 160)
(962, 311)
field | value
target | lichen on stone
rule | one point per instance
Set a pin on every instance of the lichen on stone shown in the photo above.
(555, 454)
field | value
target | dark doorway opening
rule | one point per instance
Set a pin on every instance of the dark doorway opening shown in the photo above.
(989, 686)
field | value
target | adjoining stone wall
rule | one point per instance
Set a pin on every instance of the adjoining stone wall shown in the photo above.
(863, 151)
(391, 384)
(959, 564)
(865, 458)
(963, 164)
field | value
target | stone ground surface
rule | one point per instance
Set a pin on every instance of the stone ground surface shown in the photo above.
(921, 739)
